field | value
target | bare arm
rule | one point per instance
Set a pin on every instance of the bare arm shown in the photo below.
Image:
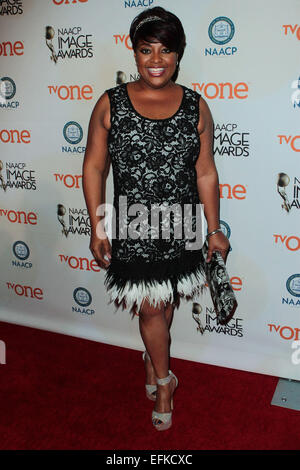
(95, 169)
(208, 181)
(207, 176)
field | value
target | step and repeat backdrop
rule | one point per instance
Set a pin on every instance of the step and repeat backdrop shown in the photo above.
(57, 58)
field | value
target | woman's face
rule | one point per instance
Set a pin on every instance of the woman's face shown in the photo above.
(221, 273)
(155, 62)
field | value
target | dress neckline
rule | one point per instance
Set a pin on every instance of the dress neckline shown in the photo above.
(151, 119)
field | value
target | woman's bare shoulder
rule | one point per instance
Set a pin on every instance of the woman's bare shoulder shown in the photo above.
(101, 111)
(205, 116)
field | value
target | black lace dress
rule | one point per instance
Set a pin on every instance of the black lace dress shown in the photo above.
(153, 163)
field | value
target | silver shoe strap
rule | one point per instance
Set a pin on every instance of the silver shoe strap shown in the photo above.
(146, 355)
(165, 380)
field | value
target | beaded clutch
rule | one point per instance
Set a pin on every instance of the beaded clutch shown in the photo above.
(221, 291)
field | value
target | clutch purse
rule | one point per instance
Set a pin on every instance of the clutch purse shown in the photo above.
(221, 291)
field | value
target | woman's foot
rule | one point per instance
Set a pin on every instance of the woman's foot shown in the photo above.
(163, 398)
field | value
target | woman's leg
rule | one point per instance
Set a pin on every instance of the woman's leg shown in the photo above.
(169, 311)
(154, 329)
(150, 374)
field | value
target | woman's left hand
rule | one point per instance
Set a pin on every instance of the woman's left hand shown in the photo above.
(218, 242)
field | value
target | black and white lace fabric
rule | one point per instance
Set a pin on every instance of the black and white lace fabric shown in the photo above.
(153, 163)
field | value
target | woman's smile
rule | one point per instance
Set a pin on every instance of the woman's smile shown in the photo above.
(156, 71)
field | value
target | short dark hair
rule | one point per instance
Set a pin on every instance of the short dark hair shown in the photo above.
(169, 32)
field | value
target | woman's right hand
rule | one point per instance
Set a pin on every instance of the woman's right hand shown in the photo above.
(101, 247)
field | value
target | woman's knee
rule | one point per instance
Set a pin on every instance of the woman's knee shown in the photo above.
(148, 311)
(170, 307)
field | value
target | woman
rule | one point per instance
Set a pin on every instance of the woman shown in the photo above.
(158, 136)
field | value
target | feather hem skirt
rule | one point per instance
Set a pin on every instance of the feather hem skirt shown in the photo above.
(129, 284)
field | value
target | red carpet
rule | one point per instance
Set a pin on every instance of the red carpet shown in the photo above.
(61, 392)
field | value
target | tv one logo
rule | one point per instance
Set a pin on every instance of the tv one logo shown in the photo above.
(223, 90)
(292, 30)
(291, 141)
(71, 92)
(288, 333)
(69, 181)
(15, 136)
(19, 216)
(238, 191)
(123, 39)
(68, 2)
(26, 291)
(7, 48)
(292, 242)
(81, 264)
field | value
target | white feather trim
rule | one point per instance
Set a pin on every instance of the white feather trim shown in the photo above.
(188, 287)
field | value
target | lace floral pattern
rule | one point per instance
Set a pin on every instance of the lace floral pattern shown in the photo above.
(153, 161)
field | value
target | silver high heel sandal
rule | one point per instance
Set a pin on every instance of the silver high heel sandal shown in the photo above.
(165, 418)
(150, 389)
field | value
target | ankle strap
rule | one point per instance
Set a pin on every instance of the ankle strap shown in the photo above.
(165, 380)
(145, 354)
